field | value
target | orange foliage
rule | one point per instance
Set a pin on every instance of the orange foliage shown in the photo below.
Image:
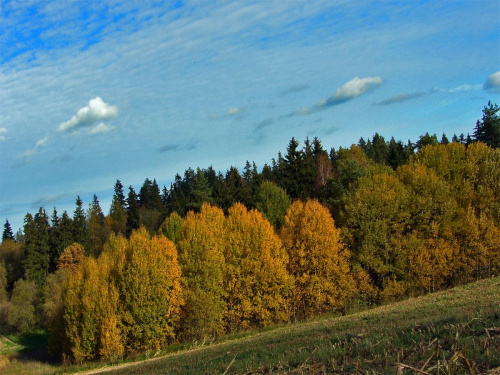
(317, 259)
(71, 257)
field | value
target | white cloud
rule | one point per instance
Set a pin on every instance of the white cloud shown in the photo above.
(234, 111)
(355, 87)
(41, 142)
(2, 136)
(465, 87)
(95, 111)
(348, 91)
(24, 157)
(102, 128)
(493, 82)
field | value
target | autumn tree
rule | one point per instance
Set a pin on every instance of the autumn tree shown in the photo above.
(316, 259)
(148, 281)
(201, 246)
(256, 281)
(12, 257)
(90, 321)
(71, 257)
(3, 284)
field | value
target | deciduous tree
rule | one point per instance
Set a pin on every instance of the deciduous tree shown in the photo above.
(256, 281)
(317, 259)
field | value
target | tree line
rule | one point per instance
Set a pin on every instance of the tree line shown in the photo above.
(218, 253)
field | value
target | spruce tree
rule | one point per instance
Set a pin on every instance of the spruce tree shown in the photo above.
(7, 232)
(133, 215)
(97, 230)
(291, 170)
(487, 129)
(37, 248)
(80, 228)
(117, 211)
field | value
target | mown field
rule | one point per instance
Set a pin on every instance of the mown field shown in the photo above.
(451, 332)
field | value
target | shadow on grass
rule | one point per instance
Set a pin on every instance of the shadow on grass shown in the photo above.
(34, 347)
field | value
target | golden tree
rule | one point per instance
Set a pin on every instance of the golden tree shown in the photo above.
(317, 259)
(255, 277)
(150, 291)
(91, 303)
(201, 257)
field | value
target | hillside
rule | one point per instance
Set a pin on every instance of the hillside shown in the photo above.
(454, 331)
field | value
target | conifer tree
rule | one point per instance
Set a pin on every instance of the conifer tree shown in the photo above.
(133, 215)
(487, 129)
(97, 231)
(80, 227)
(291, 170)
(201, 192)
(237, 189)
(117, 211)
(37, 247)
(7, 232)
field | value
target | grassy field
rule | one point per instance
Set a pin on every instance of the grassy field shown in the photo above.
(450, 332)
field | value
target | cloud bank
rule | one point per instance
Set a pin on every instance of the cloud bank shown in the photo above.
(97, 110)
(493, 82)
(2, 134)
(348, 91)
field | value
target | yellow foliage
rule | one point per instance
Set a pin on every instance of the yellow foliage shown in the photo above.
(317, 259)
(71, 257)
(128, 298)
(201, 244)
(255, 277)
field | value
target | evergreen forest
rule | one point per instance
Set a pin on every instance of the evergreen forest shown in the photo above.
(310, 233)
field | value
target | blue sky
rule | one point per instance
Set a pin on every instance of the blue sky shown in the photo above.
(94, 91)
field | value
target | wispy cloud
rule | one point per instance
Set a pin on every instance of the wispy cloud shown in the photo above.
(2, 134)
(234, 111)
(348, 91)
(46, 200)
(405, 96)
(177, 147)
(24, 158)
(265, 123)
(293, 89)
(97, 110)
(102, 128)
(465, 87)
(493, 82)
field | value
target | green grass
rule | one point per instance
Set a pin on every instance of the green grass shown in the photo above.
(450, 332)
(445, 333)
